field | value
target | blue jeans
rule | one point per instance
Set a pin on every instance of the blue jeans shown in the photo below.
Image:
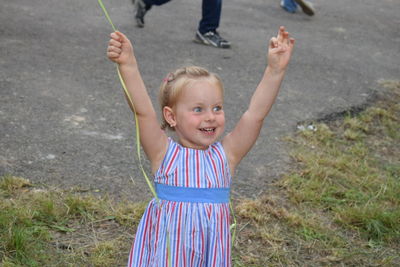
(290, 5)
(211, 13)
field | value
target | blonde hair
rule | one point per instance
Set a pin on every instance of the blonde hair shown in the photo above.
(174, 82)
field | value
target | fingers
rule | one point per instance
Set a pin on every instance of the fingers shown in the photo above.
(120, 49)
(273, 42)
(284, 37)
(114, 45)
(281, 33)
(113, 51)
(118, 38)
(121, 35)
(291, 42)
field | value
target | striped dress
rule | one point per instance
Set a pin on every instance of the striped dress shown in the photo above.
(186, 234)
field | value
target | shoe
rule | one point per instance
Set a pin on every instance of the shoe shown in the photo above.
(140, 10)
(306, 6)
(212, 38)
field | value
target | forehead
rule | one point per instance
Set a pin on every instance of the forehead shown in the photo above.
(204, 90)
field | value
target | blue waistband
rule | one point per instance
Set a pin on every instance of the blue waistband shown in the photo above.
(192, 194)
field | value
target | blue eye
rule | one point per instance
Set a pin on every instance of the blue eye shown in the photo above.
(217, 108)
(197, 109)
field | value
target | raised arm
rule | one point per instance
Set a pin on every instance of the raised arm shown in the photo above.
(238, 142)
(154, 140)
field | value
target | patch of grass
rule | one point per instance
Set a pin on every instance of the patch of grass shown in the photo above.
(10, 185)
(40, 227)
(129, 214)
(22, 240)
(355, 174)
(107, 253)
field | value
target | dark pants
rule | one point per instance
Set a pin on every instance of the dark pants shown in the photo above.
(211, 13)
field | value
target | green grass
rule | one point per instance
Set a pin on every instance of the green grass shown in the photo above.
(339, 206)
(40, 227)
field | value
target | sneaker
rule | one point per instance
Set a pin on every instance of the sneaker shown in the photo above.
(140, 10)
(306, 6)
(212, 38)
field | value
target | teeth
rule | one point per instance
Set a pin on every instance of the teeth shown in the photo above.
(208, 129)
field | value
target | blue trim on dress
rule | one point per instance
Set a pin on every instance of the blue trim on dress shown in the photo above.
(192, 194)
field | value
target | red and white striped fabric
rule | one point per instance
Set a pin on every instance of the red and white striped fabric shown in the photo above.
(186, 234)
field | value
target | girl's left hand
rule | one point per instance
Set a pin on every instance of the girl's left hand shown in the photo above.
(280, 50)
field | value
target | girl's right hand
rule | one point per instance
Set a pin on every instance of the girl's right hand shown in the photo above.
(120, 49)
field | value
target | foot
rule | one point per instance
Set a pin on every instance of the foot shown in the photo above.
(212, 38)
(306, 6)
(140, 10)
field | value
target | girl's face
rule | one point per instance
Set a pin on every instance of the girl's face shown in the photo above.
(199, 115)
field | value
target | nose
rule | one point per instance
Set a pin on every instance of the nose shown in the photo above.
(210, 116)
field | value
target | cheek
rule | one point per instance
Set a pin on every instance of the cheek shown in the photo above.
(221, 119)
(194, 120)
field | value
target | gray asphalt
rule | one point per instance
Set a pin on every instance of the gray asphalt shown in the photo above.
(63, 117)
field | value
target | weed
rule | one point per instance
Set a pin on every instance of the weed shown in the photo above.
(9, 185)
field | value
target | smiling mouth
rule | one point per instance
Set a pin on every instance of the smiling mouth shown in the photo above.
(207, 130)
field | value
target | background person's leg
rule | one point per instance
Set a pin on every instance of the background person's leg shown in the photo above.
(289, 5)
(207, 32)
(141, 8)
(211, 15)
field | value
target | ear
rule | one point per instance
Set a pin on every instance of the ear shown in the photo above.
(169, 116)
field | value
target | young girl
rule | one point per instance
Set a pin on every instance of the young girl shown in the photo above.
(188, 225)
